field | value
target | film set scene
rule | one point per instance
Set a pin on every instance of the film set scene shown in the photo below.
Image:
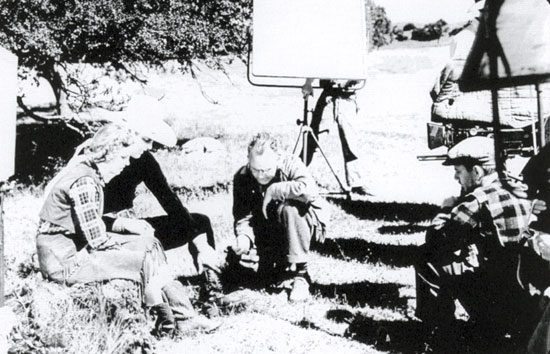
(275, 176)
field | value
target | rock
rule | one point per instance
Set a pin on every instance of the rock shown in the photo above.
(203, 145)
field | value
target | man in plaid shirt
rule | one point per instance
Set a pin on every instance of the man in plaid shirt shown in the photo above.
(471, 250)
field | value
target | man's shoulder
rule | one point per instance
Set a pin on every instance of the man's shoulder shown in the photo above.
(289, 160)
(241, 174)
(495, 193)
(289, 163)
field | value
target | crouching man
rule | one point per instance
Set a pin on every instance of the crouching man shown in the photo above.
(277, 213)
(471, 254)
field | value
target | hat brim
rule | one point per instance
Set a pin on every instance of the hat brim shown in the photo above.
(468, 161)
(144, 116)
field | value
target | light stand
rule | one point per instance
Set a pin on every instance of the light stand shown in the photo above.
(303, 138)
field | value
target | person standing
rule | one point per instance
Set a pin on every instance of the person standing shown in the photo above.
(338, 104)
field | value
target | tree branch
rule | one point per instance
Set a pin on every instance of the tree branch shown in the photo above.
(204, 94)
(67, 122)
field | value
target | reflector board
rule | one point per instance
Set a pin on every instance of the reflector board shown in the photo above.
(8, 93)
(309, 38)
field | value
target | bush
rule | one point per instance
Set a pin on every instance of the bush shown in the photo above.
(409, 27)
(379, 24)
(430, 31)
(47, 35)
(399, 34)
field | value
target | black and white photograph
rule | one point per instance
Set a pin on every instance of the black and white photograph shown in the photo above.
(274, 176)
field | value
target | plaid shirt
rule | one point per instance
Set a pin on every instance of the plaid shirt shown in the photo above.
(86, 200)
(488, 209)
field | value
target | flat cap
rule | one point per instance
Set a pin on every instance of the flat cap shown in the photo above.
(477, 150)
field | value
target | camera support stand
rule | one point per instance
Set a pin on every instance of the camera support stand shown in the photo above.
(305, 133)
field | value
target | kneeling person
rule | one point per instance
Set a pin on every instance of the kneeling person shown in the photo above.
(277, 212)
(471, 251)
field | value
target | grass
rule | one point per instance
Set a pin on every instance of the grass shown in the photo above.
(363, 278)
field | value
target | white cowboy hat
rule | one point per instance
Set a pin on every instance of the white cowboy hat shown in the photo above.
(144, 115)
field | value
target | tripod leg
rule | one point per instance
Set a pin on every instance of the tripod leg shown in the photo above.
(304, 145)
(342, 186)
(298, 139)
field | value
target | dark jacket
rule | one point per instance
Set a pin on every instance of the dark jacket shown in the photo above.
(120, 192)
(292, 181)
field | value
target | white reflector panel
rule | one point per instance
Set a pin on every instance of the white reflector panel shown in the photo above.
(309, 38)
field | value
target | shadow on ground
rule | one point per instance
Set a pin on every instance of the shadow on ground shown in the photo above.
(391, 211)
(362, 293)
(361, 250)
(410, 336)
(407, 229)
(394, 336)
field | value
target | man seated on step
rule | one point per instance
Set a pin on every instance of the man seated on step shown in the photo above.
(471, 254)
(277, 213)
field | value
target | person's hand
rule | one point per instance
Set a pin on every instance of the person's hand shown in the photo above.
(267, 199)
(133, 226)
(449, 202)
(541, 245)
(538, 206)
(439, 220)
(250, 260)
(242, 245)
(209, 258)
(110, 244)
(519, 189)
(307, 88)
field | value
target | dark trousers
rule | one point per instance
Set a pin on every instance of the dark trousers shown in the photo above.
(341, 110)
(286, 235)
(171, 234)
(490, 293)
(284, 238)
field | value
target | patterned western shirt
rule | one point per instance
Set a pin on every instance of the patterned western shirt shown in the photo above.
(86, 200)
(489, 209)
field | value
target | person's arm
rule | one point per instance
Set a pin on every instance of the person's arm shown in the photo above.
(154, 179)
(300, 185)
(85, 196)
(242, 212)
(461, 224)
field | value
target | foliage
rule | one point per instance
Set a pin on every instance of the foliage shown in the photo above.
(380, 25)
(457, 30)
(49, 34)
(399, 34)
(409, 27)
(430, 31)
(90, 319)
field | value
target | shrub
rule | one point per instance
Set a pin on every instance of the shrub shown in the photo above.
(409, 27)
(430, 31)
(379, 24)
(47, 35)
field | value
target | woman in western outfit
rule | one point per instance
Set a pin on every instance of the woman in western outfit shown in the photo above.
(73, 242)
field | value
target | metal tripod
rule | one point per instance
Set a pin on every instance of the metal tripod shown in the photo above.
(305, 133)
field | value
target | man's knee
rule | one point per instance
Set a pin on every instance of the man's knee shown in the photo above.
(290, 211)
(202, 221)
(203, 225)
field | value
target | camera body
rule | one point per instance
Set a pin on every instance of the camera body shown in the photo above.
(515, 141)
